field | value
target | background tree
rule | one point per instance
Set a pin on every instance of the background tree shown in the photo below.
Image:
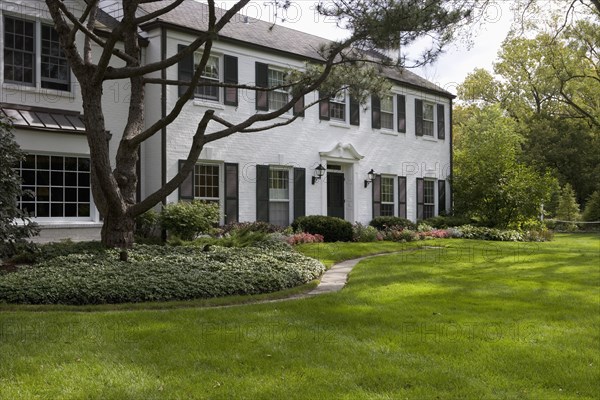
(372, 24)
(549, 84)
(489, 182)
(592, 208)
(15, 226)
(568, 209)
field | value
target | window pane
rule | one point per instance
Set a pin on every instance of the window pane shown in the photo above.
(387, 190)
(18, 50)
(387, 104)
(279, 184)
(52, 57)
(279, 213)
(206, 185)
(44, 181)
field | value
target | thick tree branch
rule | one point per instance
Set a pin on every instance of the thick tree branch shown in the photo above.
(87, 44)
(158, 13)
(177, 180)
(92, 5)
(64, 30)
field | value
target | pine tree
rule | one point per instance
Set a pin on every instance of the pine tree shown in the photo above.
(568, 209)
(592, 207)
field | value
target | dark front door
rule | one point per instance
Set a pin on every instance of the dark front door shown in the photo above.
(335, 195)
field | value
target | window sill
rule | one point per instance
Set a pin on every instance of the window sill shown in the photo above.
(208, 104)
(429, 138)
(46, 94)
(388, 132)
(339, 124)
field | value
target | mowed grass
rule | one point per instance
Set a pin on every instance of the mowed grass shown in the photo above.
(474, 320)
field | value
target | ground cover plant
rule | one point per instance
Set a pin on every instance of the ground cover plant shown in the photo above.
(157, 273)
(475, 320)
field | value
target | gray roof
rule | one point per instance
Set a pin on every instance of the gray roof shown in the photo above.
(194, 15)
(46, 119)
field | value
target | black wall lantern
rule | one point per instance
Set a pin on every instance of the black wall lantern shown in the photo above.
(319, 172)
(370, 177)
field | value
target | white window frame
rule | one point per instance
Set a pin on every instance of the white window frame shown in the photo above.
(433, 198)
(290, 194)
(92, 208)
(431, 121)
(389, 112)
(219, 57)
(198, 186)
(391, 202)
(221, 181)
(37, 56)
(281, 91)
(341, 100)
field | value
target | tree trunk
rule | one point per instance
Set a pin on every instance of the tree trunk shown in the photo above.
(117, 230)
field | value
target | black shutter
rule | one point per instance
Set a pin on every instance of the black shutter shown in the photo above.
(441, 197)
(420, 199)
(299, 107)
(401, 105)
(376, 196)
(186, 189)
(185, 69)
(375, 112)
(402, 196)
(323, 108)
(230, 75)
(299, 192)
(418, 117)
(262, 80)
(262, 193)
(441, 122)
(354, 111)
(232, 189)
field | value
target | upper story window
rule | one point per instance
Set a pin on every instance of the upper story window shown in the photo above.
(210, 74)
(279, 96)
(337, 106)
(20, 58)
(221, 69)
(387, 112)
(428, 119)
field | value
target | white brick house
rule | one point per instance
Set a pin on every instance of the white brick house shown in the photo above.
(404, 137)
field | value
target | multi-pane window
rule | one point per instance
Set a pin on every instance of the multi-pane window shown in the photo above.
(337, 106)
(387, 112)
(55, 68)
(210, 74)
(427, 119)
(19, 51)
(387, 196)
(278, 97)
(279, 196)
(206, 182)
(20, 38)
(55, 186)
(428, 199)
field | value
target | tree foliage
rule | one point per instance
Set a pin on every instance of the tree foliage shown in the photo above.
(592, 208)
(549, 84)
(15, 226)
(489, 182)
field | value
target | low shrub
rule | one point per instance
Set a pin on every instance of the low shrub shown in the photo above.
(257, 226)
(147, 225)
(383, 223)
(303, 237)
(158, 273)
(400, 235)
(49, 251)
(483, 233)
(538, 235)
(189, 219)
(331, 228)
(365, 233)
(423, 227)
(434, 234)
(446, 221)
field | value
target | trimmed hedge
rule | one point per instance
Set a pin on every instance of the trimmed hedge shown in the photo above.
(158, 273)
(332, 229)
(383, 223)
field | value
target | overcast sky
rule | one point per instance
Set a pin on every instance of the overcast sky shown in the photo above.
(449, 70)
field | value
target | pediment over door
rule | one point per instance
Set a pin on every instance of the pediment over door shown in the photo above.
(342, 151)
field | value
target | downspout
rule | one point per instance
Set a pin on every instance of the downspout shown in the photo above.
(450, 178)
(163, 114)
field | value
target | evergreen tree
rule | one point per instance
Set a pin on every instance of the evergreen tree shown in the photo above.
(15, 226)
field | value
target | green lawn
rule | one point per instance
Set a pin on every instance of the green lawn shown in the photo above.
(475, 320)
